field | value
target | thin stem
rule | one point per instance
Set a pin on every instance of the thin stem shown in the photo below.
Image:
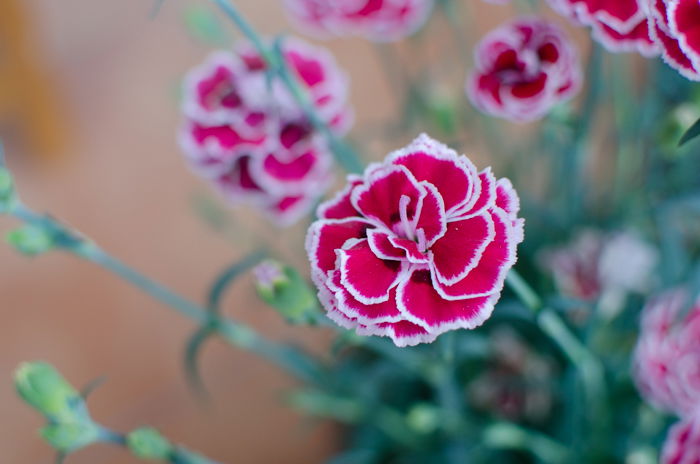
(234, 333)
(586, 363)
(345, 155)
(511, 436)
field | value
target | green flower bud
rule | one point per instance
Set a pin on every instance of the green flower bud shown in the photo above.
(423, 418)
(285, 290)
(443, 112)
(147, 443)
(43, 388)
(70, 436)
(30, 240)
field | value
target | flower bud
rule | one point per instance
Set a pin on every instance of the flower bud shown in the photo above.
(423, 418)
(285, 290)
(70, 436)
(30, 240)
(147, 443)
(42, 387)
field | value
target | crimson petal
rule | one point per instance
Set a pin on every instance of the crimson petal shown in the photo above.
(460, 249)
(421, 304)
(367, 277)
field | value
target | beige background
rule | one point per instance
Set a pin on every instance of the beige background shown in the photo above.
(122, 181)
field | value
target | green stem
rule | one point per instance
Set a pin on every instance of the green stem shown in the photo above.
(511, 436)
(234, 333)
(586, 363)
(345, 155)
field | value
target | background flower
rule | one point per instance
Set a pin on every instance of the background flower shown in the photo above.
(620, 25)
(379, 20)
(673, 25)
(247, 135)
(682, 445)
(667, 356)
(522, 69)
(417, 246)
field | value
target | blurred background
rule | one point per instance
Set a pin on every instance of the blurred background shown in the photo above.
(88, 113)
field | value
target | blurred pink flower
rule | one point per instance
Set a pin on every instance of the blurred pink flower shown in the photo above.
(620, 25)
(522, 69)
(417, 246)
(667, 355)
(246, 134)
(595, 264)
(673, 25)
(378, 20)
(682, 445)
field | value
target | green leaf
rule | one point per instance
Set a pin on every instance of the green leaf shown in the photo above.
(229, 275)
(192, 372)
(690, 134)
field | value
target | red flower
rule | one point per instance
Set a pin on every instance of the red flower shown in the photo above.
(522, 69)
(673, 25)
(417, 246)
(682, 445)
(250, 138)
(379, 20)
(620, 25)
(667, 356)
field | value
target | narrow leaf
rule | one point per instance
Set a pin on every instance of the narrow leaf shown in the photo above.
(690, 134)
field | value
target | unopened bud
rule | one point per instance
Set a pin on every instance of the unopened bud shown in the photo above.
(70, 436)
(285, 290)
(30, 240)
(42, 387)
(148, 443)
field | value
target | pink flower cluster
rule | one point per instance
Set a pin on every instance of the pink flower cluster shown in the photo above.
(522, 69)
(418, 245)
(245, 133)
(674, 26)
(620, 25)
(379, 20)
(667, 370)
(645, 26)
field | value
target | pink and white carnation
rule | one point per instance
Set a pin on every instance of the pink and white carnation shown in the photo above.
(377, 20)
(248, 136)
(619, 25)
(599, 265)
(522, 69)
(682, 445)
(667, 355)
(673, 24)
(418, 245)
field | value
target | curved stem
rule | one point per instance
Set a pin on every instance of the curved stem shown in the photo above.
(345, 155)
(236, 334)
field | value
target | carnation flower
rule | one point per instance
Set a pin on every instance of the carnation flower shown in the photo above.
(418, 245)
(247, 135)
(620, 25)
(601, 265)
(682, 445)
(522, 69)
(673, 25)
(667, 356)
(378, 20)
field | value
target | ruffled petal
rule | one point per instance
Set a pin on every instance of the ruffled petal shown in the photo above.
(490, 274)
(326, 236)
(421, 304)
(460, 249)
(367, 277)
(381, 196)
